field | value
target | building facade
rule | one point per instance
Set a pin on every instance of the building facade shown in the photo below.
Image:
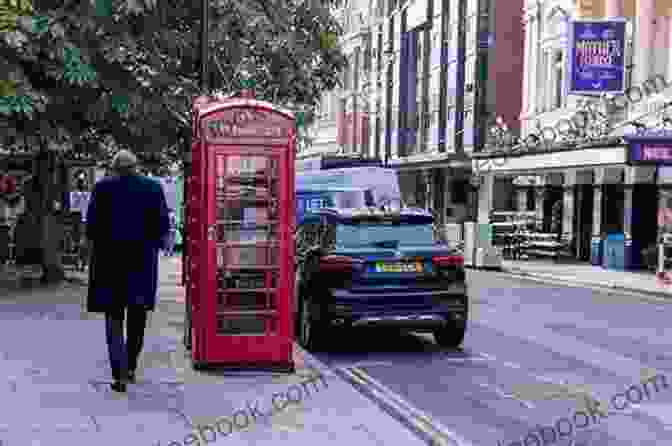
(341, 126)
(601, 192)
(413, 88)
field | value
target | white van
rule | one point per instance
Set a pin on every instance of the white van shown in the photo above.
(382, 183)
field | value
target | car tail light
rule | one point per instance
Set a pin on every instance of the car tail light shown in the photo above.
(448, 261)
(336, 263)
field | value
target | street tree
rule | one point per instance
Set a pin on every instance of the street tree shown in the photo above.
(86, 78)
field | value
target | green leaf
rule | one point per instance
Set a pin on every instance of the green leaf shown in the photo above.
(8, 19)
(120, 104)
(8, 88)
(27, 105)
(40, 24)
(248, 83)
(104, 8)
(5, 107)
(328, 40)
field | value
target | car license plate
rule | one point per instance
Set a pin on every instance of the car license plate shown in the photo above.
(398, 267)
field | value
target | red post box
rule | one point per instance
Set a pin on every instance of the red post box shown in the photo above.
(240, 268)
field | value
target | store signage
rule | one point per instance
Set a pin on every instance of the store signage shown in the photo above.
(650, 151)
(597, 62)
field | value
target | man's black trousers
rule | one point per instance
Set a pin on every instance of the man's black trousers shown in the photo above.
(124, 354)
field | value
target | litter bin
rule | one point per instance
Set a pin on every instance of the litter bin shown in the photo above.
(614, 252)
(596, 251)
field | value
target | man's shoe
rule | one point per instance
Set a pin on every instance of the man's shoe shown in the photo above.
(118, 386)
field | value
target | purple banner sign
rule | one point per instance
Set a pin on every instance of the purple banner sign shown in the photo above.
(596, 62)
(650, 151)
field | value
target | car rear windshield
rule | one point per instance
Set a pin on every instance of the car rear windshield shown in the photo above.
(370, 234)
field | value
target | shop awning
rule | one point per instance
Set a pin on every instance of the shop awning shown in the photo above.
(587, 157)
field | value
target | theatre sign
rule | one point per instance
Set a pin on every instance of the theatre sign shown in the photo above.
(651, 150)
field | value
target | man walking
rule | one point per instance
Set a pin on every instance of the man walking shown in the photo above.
(127, 221)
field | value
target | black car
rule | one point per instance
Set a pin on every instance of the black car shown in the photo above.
(369, 268)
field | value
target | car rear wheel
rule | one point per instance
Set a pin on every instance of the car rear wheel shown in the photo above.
(311, 331)
(450, 336)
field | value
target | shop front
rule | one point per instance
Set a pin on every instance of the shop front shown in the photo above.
(653, 204)
(581, 201)
(440, 186)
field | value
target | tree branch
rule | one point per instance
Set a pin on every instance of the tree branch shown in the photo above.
(184, 121)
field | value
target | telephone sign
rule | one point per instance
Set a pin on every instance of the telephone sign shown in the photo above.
(245, 123)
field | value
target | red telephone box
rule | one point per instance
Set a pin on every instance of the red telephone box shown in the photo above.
(241, 216)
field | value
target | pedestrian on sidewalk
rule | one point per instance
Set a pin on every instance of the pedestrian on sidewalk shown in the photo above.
(126, 222)
(169, 248)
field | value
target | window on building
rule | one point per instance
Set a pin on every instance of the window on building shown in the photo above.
(469, 67)
(459, 192)
(379, 53)
(368, 54)
(380, 8)
(543, 83)
(529, 60)
(418, 118)
(559, 81)
(349, 73)
(530, 199)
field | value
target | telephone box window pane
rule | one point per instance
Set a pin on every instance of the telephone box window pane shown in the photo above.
(241, 325)
(274, 280)
(248, 213)
(242, 280)
(272, 301)
(243, 301)
(247, 256)
(242, 192)
(257, 211)
(240, 235)
(247, 165)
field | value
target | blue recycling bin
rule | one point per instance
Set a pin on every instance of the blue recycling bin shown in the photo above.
(613, 256)
(596, 251)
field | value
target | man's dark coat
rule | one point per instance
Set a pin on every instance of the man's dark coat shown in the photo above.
(126, 222)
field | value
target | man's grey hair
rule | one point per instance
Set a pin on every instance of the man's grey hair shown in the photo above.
(124, 161)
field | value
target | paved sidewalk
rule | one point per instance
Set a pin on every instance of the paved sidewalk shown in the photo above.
(589, 276)
(54, 374)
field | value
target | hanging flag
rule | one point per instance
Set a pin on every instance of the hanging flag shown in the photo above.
(596, 62)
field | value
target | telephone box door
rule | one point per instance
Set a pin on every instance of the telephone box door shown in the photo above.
(247, 311)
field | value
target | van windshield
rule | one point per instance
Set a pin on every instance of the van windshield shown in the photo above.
(350, 199)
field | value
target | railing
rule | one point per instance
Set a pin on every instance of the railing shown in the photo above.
(520, 245)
